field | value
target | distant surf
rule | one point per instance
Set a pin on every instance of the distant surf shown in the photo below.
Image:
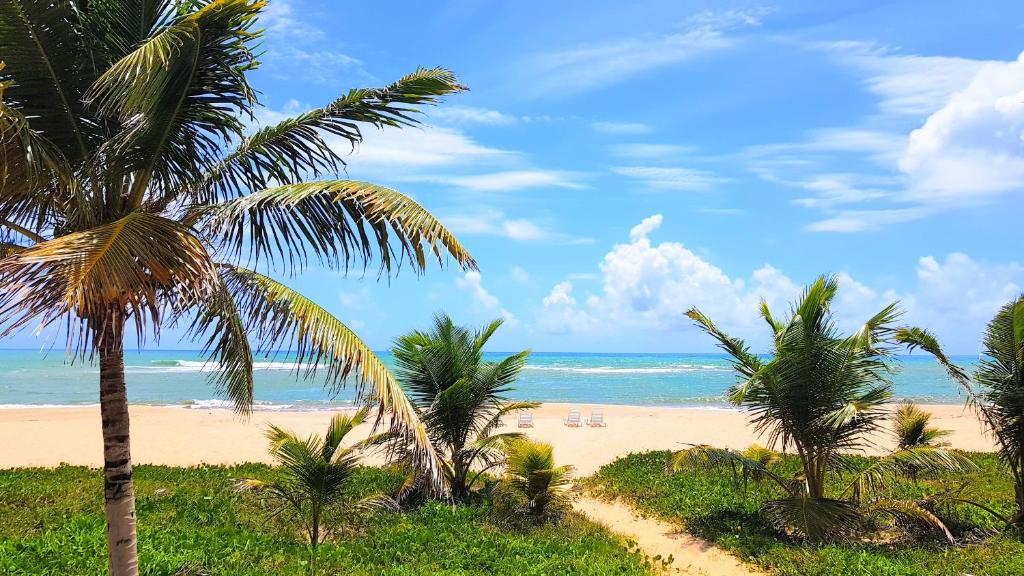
(182, 378)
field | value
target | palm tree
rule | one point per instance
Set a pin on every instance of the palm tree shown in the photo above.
(316, 471)
(996, 389)
(459, 397)
(821, 391)
(130, 196)
(912, 428)
(533, 487)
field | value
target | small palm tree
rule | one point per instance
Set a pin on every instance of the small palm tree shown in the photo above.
(132, 198)
(820, 393)
(533, 487)
(912, 428)
(996, 389)
(919, 449)
(315, 471)
(459, 396)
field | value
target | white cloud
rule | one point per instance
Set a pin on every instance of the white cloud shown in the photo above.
(404, 152)
(561, 314)
(972, 147)
(495, 223)
(968, 150)
(519, 275)
(907, 84)
(472, 282)
(645, 227)
(621, 127)
(652, 151)
(957, 296)
(647, 287)
(671, 178)
(602, 64)
(514, 180)
(279, 18)
(866, 220)
(471, 115)
(299, 51)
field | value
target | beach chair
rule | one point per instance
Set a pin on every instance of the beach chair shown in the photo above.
(525, 419)
(596, 418)
(573, 420)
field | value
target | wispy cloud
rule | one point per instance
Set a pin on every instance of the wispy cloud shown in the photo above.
(491, 222)
(468, 116)
(671, 178)
(907, 84)
(596, 65)
(515, 180)
(302, 50)
(642, 151)
(621, 127)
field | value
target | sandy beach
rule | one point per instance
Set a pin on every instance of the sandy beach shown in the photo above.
(187, 436)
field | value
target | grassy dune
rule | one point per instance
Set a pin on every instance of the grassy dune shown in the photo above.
(194, 523)
(708, 504)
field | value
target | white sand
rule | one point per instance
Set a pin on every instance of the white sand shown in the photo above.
(181, 436)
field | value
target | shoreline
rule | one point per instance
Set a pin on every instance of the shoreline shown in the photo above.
(181, 436)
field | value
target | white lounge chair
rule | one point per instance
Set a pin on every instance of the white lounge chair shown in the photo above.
(573, 420)
(596, 418)
(525, 419)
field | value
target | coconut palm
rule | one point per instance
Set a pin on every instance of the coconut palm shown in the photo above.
(132, 198)
(459, 396)
(821, 391)
(533, 487)
(919, 449)
(315, 471)
(996, 389)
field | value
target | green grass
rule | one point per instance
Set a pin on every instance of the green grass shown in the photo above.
(192, 522)
(708, 504)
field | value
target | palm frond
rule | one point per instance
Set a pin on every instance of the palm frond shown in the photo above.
(142, 263)
(48, 62)
(118, 27)
(909, 512)
(340, 222)
(283, 320)
(750, 465)
(906, 462)
(340, 426)
(533, 487)
(29, 162)
(218, 322)
(912, 427)
(178, 96)
(298, 147)
(818, 519)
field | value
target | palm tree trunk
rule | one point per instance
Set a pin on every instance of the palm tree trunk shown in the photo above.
(118, 492)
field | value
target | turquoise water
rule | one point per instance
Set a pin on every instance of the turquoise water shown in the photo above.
(174, 377)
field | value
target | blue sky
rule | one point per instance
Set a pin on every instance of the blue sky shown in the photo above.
(616, 163)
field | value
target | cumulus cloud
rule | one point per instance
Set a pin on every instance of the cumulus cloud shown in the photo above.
(650, 286)
(472, 282)
(974, 145)
(647, 287)
(645, 227)
(952, 134)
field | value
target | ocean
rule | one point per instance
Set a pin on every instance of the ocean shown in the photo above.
(175, 377)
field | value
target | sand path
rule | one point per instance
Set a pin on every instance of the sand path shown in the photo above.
(690, 554)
